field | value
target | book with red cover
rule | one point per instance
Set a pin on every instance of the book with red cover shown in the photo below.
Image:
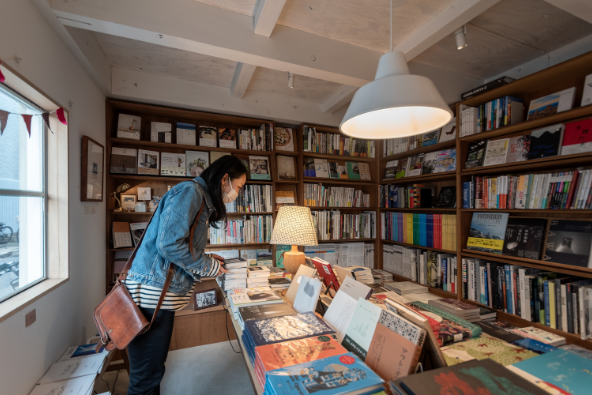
(577, 137)
(326, 272)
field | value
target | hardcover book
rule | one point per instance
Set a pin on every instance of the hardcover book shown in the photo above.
(208, 136)
(546, 142)
(496, 152)
(475, 154)
(446, 197)
(227, 137)
(569, 243)
(124, 160)
(430, 138)
(342, 374)
(364, 171)
(429, 162)
(524, 237)
(172, 164)
(333, 170)
(415, 165)
(493, 330)
(265, 311)
(259, 167)
(483, 348)
(448, 131)
(283, 139)
(361, 328)
(148, 162)
(342, 171)
(321, 168)
(289, 327)
(487, 232)
(390, 171)
(445, 161)
(577, 138)
(401, 168)
(518, 149)
(551, 104)
(186, 134)
(353, 170)
(197, 162)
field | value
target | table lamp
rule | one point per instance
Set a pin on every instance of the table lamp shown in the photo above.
(294, 226)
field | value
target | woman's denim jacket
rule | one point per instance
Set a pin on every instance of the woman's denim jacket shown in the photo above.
(166, 239)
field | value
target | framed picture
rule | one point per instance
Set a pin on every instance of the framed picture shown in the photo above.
(91, 183)
(128, 202)
(204, 299)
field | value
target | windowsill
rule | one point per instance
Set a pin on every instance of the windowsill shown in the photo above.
(25, 298)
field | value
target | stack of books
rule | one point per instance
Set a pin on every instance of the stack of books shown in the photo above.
(405, 287)
(251, 297)
(277, 279)
(381, 276)
(460, 309)
(258, 311)
(237, 273)
(258, 276)
(359, 273)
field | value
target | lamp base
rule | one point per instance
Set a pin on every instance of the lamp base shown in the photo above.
(293, 259)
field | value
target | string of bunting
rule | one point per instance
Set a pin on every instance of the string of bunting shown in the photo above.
(27, 117)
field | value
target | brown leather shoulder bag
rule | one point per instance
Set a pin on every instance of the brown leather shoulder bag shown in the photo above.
(118, 319)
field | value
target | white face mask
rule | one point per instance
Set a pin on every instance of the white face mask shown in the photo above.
(230, 196)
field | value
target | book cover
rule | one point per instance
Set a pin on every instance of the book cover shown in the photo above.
(172, 164)
(546, 142)
(401, 168)
(321, 168)
(342, 374)
(364, 171)
(148, 162)
(215, 155)
(448, 131)
(197, 162)
(587, 94)
(265, 311)
(128, 127)
(284, 198)
(286, 167)
(259, 167)
(342, 170)
(518, 149)
(445, 161)
(431, 138)
(524, 237)
(333, 170)
(483, 348)
(137, 230)
(487, 232)
(124, 160)
(227, 137)
(473, 377)
(353, 170)
(429, 162)
(493, 330)
(289, 327)
(551, 104)
(283, 139)
(160, 132)
(361, 328)
(186, 134)
(569, 242)
(307, 295)
(208, 136)
(78, 386)
(309, 167)
(415, 165)
(496, 152)
(577, 137)
(72, 369)
(446, 197)
(475, 154)
(390, 171)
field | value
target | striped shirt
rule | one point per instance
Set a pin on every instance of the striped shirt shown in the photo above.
(147, 296)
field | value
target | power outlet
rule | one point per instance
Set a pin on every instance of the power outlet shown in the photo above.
(30, 318)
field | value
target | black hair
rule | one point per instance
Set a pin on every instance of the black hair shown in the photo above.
(213, 176)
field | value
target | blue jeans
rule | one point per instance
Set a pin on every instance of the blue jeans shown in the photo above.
(148, 353)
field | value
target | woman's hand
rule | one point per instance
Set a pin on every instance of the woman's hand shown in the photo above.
(221, 271)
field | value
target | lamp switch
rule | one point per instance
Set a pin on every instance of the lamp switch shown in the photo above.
(31, 317)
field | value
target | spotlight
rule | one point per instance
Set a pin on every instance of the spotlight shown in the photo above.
(461, 37)
(291, 80)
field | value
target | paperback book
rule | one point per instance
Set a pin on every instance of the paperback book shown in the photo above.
(172, 164)
(227, 137)
(518, 148)
(208, 136)
(546, 142)
(577, 138)
(524, 237)
(496, 152)
(475, 155)
(569, 242)
(445, 161)
(148, 162)
(551, 104)
(259, 167)
(186, 134)
(415, 165)
(487, 232)
(448, 131)
(197, 162)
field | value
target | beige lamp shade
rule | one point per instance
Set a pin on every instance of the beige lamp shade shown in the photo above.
(294, 226)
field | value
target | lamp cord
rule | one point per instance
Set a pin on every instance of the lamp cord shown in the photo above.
(391, 26)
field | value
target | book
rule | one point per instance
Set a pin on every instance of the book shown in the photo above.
(227, 138)
(360, 331)
(448, 131)
(429, 162)
(483, 348)
(587, 93)
(259, 167)
(186, 134)
(569, 242)
(401, 167)
(215, 155)
(518, 148)
(307, 295)
(286, 166)
(560, 368)
(321, 168)
(493, 330)
(124, 160)
(284, 198)
(254, 297)
(289, 327)
(541, 335)
(353, 170)
(431, 138)
(128, 127)
(333, 170)
(148, 162)
(78, 386)
(309, 167)
(578, 350)
(82, 351)
(524, 237)
(475, 154)
(303, 270)
(326, 273)
(208, 136)
(487, 232)
(172, 164)
(121, 235)
(72, 369)
(445, 161)
(364, 171)
(340, 312)
(551, 104)
(486, 87)
(137, 230)
(415, 165)
(161, 132)
(546, 142)
(343, 174)
(197, 162)
(283, 139)
(446, 198)
(265, 311)
(341, 374)
(496, 152)
(577, 137)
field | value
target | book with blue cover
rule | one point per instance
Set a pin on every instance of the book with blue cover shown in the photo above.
(342, 374)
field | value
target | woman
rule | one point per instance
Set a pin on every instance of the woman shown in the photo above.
(166, 241)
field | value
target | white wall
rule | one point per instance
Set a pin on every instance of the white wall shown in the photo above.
(64, 316)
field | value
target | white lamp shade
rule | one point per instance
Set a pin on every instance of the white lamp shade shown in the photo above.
(294, 226)
(395, 104)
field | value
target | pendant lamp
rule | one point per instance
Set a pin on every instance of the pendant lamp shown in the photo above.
(396, 103)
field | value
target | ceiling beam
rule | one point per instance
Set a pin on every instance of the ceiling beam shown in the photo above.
(223, 34)
(339, 99)
(580, 8)
(161, 90)
(240, 80)
(446, 22)
(266, 15)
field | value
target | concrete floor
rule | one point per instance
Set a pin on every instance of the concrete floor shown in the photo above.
(210, 369)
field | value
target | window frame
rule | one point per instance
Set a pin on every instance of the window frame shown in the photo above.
(27, 193)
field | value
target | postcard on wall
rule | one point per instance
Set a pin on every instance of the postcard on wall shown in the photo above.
(208, 136)
(148, 162)
(128, 127)
(286, 167)
(160, 132)
(186, 134)
(551, 104)
(227, 137)
(284, 139)
(259, 166)
(197, 162)
(172, 164)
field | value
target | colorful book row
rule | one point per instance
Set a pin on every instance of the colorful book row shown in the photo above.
(425, 230)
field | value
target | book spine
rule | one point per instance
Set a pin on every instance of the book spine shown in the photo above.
(509, 304)
(575, 309)
(559, 322)
(547, 309)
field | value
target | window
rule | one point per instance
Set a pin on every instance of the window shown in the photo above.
(23, 196)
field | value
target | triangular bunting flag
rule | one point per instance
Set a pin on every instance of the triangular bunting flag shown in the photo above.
(45, 116)
(61, 116)
(2, 79)
(3, 120)
(27, 118)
